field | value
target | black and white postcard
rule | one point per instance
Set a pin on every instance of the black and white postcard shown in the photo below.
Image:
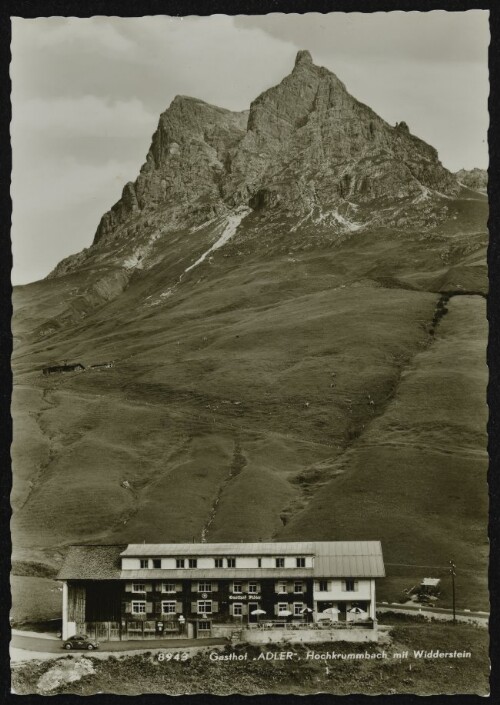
(249, 370)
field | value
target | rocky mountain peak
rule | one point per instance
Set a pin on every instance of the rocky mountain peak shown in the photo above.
(306, 149)
(303, 57)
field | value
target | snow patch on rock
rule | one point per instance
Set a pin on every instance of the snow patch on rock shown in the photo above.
(232, 225)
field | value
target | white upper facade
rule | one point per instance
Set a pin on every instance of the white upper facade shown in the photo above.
(356, 559)
(278, 562)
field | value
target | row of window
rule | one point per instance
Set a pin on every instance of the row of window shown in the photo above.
(236, 587)
(279, 561)
(206, 607)
(348, 585)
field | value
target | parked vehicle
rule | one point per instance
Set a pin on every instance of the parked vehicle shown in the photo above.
(80, 641)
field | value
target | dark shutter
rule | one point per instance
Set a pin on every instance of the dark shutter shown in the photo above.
(194, 607)
(215, 606)
(157, 607)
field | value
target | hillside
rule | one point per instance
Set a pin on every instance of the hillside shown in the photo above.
(293, 303)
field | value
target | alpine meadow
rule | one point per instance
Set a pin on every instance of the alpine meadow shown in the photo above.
(278, 333)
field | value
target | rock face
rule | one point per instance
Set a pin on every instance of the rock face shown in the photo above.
(306, 152)
(185, 165)
(476, 179)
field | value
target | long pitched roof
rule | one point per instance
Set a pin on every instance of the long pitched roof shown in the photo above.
(213, 549)
(354, 559)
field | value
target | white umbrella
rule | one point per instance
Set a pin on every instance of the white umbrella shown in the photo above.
(306, 609)
(258, 611)
(285, 613)
(356, 610)
(331, 610)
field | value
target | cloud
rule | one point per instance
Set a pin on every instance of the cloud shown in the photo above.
(85, 115)
(72, 33)
(87, 94)
(57, 206)
(205, 57)
(436, 36)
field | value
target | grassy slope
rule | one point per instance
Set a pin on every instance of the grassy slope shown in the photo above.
(419, 472)
(242, 406)
(35, 599)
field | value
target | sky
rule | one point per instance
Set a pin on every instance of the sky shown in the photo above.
(87, 95)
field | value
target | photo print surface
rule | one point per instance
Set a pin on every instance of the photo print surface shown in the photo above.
(249, 402)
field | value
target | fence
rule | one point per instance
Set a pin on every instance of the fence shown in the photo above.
(269, 625)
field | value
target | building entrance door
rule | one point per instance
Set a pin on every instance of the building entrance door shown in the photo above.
(251, 607)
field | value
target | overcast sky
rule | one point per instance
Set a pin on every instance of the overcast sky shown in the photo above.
(87, 94)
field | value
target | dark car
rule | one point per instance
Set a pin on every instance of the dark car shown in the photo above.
(80, 641)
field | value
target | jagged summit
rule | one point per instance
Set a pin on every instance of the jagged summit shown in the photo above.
(303, 57)
(306, 151)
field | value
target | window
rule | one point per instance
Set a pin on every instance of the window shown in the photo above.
(282, 586)
(144, 563)
(168, 607)
(138, 606)
(156, 562)
(280, 562)
(138, 587)
(180, 562)
(168, 587)
(204, 626)
(301, 562)
(204, 587)
(193, 562)
(237, 587)
(323, 585)
(252, 587)
(259, 562)
(298, 587)
(204, 606)
(282, 607)
(231, 562)
(351, 585)
(237, 609)
(297, 608)
(219, 562)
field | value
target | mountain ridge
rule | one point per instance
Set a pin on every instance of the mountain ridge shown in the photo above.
(305, 148)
